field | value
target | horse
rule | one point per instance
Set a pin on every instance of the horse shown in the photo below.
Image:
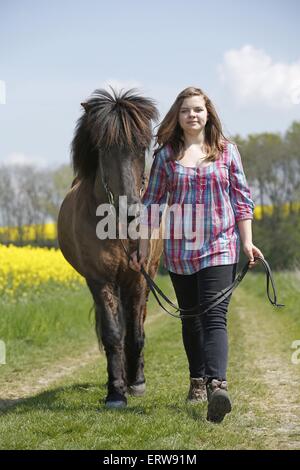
(108, 156)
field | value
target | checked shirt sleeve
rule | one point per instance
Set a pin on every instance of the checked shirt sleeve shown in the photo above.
(240, 195)
(156, 194)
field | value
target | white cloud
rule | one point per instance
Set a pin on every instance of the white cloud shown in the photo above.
(18, 158)
(254, 77)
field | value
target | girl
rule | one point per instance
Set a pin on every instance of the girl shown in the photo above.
(199, 171)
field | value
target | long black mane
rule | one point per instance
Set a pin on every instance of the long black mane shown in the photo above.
(119, 119)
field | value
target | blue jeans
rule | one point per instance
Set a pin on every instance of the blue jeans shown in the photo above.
(205, 337)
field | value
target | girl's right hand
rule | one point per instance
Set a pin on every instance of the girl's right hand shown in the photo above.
(134, 263)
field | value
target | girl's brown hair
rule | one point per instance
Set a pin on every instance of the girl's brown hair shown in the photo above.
(170, 133)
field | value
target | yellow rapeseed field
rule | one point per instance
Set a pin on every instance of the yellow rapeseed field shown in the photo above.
(30, 268)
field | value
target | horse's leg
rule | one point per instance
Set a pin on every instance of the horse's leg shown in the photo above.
(135, 309)
(134, 305)
(110, 332)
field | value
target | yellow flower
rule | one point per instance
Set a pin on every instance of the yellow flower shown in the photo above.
(29, 268)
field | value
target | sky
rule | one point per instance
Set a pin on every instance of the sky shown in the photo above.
(244, 55)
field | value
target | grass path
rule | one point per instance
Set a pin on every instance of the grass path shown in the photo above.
(42, 378)
(62, 407)
(277, 374)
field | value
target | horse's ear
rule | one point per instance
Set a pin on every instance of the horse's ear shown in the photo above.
(85, 106)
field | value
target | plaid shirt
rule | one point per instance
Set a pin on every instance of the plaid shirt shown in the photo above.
(201, 229)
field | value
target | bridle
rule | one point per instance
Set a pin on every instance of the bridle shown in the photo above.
(108, 192)
(216, 299)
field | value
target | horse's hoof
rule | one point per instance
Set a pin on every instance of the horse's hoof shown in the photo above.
(115, 404)
(137, 390)
(115, 400)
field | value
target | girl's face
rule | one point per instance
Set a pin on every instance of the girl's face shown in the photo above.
(193, 115)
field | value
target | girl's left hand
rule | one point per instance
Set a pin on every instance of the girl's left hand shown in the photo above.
(250, 251)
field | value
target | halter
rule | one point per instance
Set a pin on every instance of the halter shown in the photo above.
(109, 193)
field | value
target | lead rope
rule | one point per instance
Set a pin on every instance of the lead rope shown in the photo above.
(216, 299)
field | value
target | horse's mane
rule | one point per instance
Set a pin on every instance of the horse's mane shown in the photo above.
(119, 119)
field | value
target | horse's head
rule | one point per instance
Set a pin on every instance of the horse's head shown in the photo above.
(110, 142)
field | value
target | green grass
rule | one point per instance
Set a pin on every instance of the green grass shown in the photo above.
(73, 416)
(284, 321)
(45, 328)
(70, 414)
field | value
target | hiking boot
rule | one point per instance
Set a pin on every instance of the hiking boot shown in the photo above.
(197, 392)
(218, 400)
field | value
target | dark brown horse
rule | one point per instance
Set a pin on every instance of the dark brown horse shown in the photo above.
(108, 153)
